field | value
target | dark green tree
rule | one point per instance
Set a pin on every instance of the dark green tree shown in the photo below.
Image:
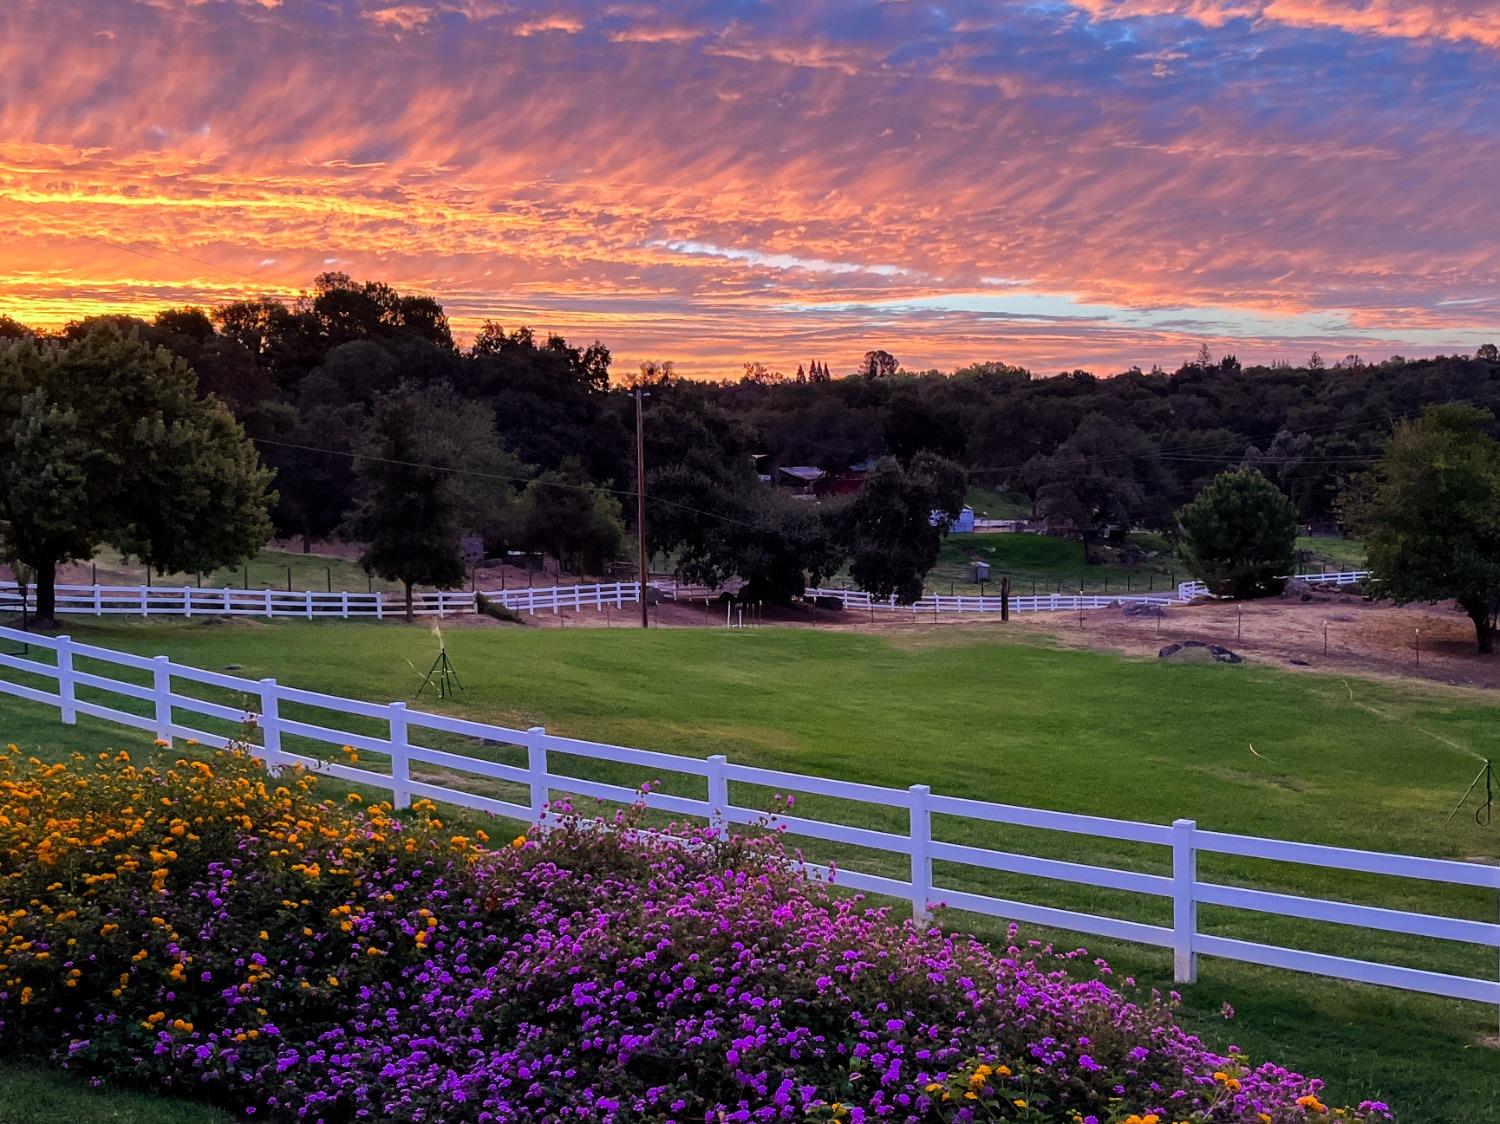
(432, 471)
(1239, 535)
(774, 543)
(1429, 513)
(568, 516)
(1107, 476)
(105, 440)
(895, 526)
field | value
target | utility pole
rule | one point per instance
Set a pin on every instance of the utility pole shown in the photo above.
(640, 502)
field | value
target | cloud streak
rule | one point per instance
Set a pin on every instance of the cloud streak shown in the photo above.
(719, 182)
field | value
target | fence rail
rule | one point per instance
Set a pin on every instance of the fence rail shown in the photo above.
(557, 598)
(172, 712)
(191, 601)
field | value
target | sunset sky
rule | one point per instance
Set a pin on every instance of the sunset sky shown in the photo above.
(1053, 183)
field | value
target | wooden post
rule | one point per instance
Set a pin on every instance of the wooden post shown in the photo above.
(1005, 598)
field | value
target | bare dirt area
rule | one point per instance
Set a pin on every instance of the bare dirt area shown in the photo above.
(1434, 643)
(1362, 637)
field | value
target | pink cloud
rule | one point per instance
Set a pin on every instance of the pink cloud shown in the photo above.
(673, 190)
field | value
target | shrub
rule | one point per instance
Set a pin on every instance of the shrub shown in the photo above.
(212, 930)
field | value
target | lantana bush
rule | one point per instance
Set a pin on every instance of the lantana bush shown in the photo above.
(252, 941)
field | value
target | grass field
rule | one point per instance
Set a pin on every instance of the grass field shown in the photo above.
(270, 569)
(989, 503)
(1043, 564)
(1333, 553)
(1348, 762)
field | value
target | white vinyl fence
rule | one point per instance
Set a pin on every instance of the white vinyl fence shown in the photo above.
(190, 601)
(171, 711)
(553, 599)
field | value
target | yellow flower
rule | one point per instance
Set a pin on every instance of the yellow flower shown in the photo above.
(518, 842)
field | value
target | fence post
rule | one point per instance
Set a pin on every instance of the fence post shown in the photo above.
(187, 601)
(344, 604)
(98, 600)
(718, 795)
(69, 707)
(145, 597)
(921, 858)
(1184, 905)
(400, 761)
(308, 595)
(270, 726)
(536, 765)
(269, 611)
(161, 689)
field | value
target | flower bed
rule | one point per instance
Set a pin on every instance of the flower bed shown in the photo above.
(211, 930)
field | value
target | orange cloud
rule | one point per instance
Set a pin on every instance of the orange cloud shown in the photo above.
(710, 189)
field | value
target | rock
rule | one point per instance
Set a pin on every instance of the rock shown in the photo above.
(1142, 609)
(1197, 648)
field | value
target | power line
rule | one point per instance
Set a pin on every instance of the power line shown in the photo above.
(501, 477)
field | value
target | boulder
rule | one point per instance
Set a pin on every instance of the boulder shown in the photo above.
(1215, 653)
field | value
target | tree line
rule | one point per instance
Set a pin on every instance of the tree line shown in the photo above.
(378, 425)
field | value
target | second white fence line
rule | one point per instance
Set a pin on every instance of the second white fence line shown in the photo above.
(169, 709)
(190, 601)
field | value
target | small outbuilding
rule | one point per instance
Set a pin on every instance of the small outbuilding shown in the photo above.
(963, 524)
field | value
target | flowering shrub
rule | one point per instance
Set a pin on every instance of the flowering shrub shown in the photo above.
(213, 930)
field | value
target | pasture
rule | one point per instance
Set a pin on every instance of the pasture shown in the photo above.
(1349, 762)
(1048, 564)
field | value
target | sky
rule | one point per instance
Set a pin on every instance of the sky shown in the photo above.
(1050, 183)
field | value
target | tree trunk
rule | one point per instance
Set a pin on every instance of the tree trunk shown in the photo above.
(410, 615)
(306, 540)
(46, 595)
(1484, 629)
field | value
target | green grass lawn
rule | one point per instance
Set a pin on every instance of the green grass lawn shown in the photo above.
(270, 569)
(990, 503)
(33, 1095)
(1315, 551)
(1346, 762)
(1045, 564)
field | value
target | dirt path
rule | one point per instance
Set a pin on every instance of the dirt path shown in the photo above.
(1362, 637)
(1365, 638)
